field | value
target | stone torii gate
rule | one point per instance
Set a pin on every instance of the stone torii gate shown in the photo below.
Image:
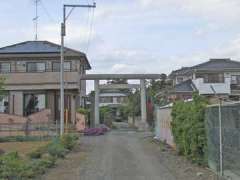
(142, 77)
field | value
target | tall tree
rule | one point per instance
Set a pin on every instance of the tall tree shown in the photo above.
(158, 90)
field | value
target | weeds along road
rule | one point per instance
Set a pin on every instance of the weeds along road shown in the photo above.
(124, 155)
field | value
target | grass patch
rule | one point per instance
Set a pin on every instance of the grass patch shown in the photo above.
(23, 148)
(38, 160)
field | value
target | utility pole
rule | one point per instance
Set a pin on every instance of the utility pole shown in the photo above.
(63, 34)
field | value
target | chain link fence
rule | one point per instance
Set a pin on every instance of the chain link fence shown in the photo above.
(230, 120)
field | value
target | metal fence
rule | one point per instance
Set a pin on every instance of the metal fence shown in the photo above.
(163, 121)
(226, 154)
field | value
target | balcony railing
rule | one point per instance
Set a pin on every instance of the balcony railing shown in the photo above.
(37, 71)
(211, 88)
(40, 80)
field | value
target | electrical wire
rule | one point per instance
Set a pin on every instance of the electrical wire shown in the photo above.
(47, 12)
(90, 30)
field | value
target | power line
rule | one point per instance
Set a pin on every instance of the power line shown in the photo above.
(47, 12)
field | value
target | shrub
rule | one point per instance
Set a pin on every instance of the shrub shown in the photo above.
(13, 167)
(39, 166)
(56, 149)
(37, 154)
(188, 128)
(83, 111)
(68, 141)
(1, 152)
(48, 162)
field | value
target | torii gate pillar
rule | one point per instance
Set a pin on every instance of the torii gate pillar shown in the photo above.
(143, 124)
(96, 104)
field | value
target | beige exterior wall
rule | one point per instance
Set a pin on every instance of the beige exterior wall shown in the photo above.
(18, 81)
(40, 78)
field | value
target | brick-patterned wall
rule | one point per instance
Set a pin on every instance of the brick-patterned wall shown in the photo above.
(40, 117)
(14, 125)
(8, 118)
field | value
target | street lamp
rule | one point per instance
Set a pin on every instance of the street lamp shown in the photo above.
(63, 34)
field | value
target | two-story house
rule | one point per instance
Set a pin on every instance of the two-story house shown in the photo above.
(216, 76)
(32, 71)
(112, 98)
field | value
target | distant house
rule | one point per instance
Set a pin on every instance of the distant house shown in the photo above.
(32, 83)
(216, 76)
(113, 99)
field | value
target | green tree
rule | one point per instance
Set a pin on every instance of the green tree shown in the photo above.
(158, 90)
(133, 107)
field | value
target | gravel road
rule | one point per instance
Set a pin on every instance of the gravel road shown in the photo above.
(125, 155)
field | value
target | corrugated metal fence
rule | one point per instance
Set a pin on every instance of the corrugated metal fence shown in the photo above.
(163, 125)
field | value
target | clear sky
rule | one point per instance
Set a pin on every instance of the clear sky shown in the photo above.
(133, 36)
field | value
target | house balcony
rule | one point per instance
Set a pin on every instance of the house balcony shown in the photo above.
(40, 80)
(113, 105)
(209, 88)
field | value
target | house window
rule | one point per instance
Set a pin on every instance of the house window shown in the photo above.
(213, 78)
(106, 100)
(34, 103)
(5, 67)
(4, 106)
(36, 67)
(179, 79)
(56, 66)
(235, 79)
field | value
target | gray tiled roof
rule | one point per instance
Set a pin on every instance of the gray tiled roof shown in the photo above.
(211, 65)
(182, 71)
(30, 47)
(186, 86)
(218, 64)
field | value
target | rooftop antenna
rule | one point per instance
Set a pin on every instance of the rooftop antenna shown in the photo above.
(35, 19)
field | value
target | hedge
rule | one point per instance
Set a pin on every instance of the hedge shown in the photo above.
(188, 128)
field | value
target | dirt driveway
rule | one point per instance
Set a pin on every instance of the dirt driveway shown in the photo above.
(125, 156)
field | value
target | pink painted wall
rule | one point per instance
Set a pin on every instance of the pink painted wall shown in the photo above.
(80, 122)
